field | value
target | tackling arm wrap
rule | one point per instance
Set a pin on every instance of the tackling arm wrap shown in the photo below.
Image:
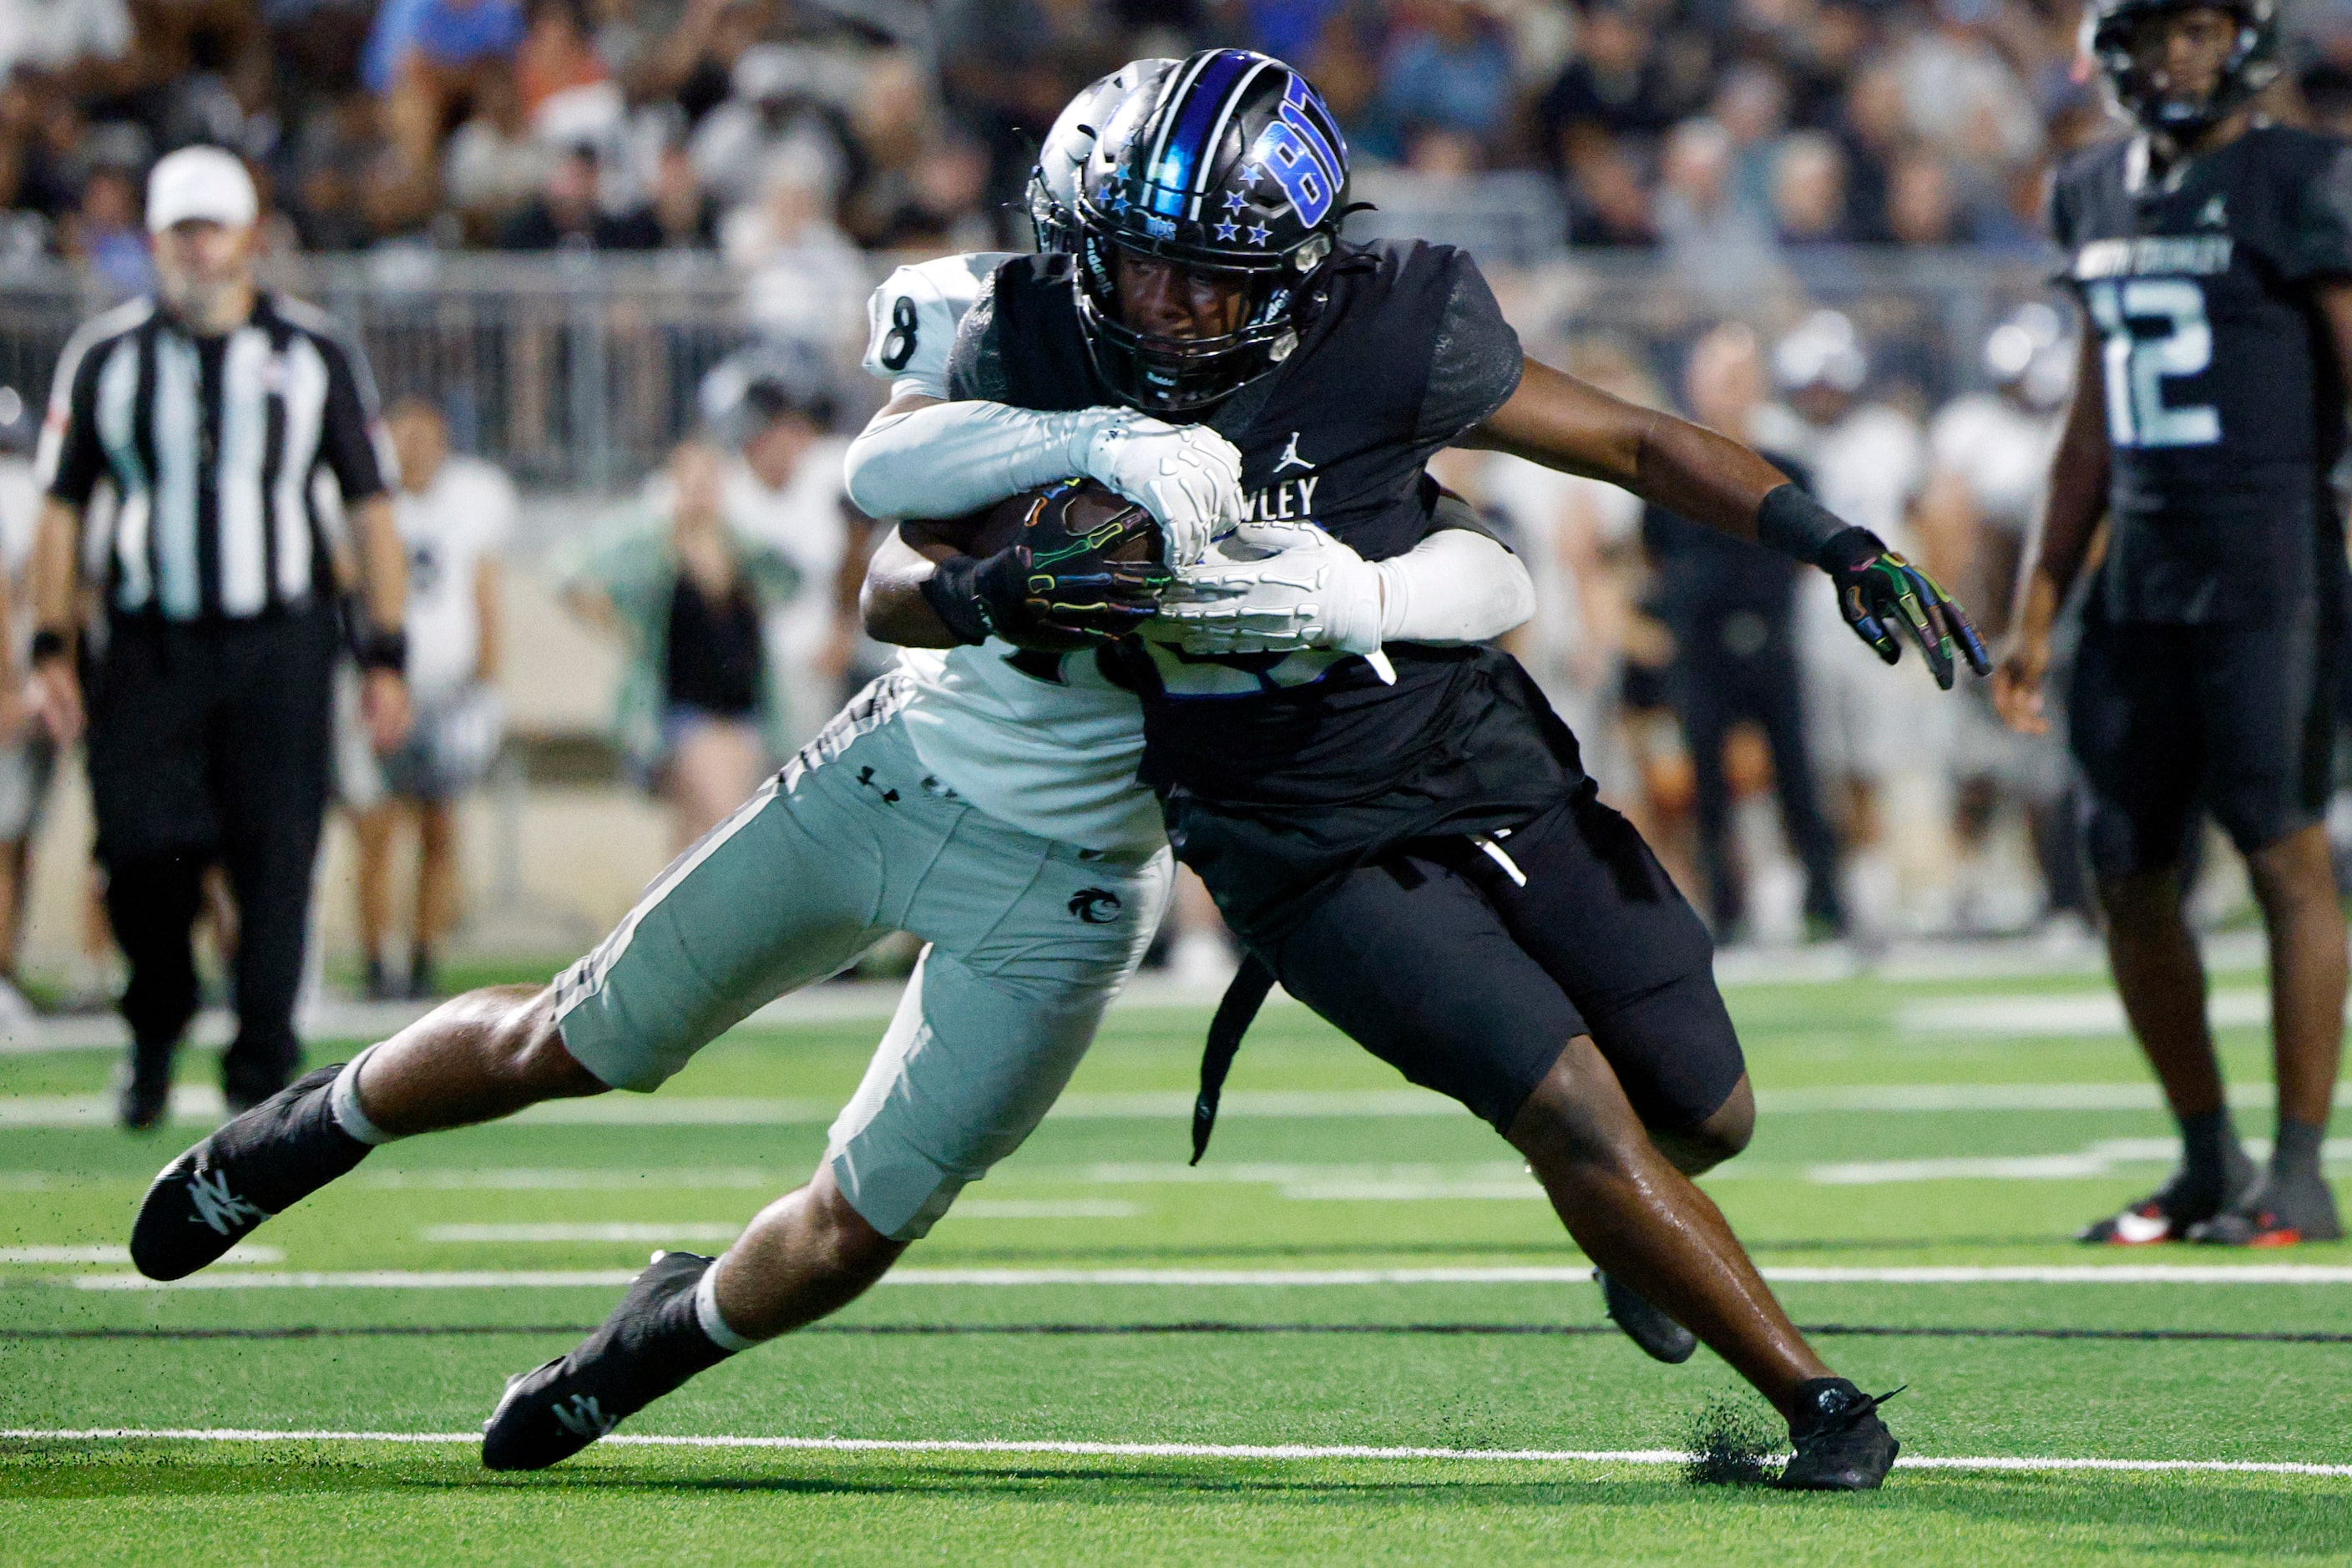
(949, 460)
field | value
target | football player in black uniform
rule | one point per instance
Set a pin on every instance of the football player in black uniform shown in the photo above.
(1403, 835)
(2212, 252)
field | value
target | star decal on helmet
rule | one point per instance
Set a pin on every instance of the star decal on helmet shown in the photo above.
(1259, 233)
(1227, 230)
(1233, 201)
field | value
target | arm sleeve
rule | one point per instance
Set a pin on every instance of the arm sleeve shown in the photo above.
(347, 433)
(70, 460)
(1474, 363)
(1456, 586)
(2322, 243)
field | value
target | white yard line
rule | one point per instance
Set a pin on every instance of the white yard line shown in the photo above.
(1255, 1279)
(1155, 1450)
(101, 1253)
(200, 1103)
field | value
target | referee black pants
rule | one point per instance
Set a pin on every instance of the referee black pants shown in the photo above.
(209, 746)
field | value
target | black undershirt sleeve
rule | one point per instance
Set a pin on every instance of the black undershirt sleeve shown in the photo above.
(976, 363)
(1475, 361)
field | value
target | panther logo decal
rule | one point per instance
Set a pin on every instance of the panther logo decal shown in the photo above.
(1095, 906)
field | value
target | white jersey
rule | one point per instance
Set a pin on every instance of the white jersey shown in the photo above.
(2000, 451)
(464, 514)
(1045, 743)
(20, 514)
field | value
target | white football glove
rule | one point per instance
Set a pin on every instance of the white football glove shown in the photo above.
(1186, 476)
(1275, 587)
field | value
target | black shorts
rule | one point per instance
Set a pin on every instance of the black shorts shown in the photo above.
(2238, 719)
(1438, 962)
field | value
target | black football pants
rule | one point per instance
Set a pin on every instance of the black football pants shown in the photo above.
(1741, 667)
(209, 746)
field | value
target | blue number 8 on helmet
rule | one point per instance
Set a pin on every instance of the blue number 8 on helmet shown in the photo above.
(1234, 167)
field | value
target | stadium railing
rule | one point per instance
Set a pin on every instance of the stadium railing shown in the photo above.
(577, 372)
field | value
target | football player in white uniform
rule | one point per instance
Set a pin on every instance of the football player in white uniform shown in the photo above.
(984, 803)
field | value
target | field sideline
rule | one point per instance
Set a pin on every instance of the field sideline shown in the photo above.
(1354, 1332)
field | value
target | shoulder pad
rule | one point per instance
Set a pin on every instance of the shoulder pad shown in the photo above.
(911, 319)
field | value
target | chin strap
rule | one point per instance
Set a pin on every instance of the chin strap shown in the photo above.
(1239, 1005)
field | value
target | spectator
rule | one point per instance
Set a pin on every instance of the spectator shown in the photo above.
(1614, 88)
(74, 42)
(494, 165)
(1808, 191)
(106, 236)
(567, 213)
(697, 710)
(1880, 754)
(554, 57)
(1729, 608)
(455, 514)
(28, 753)
(1960, 94)
(805, 279)
(784, 103)
(683, 211)
(1448, 72)
(1713, 242)
(784, 491)
(1922, 206)
(1608, 200)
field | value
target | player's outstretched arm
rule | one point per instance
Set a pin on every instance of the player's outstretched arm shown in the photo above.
(1563, 423)
(2060, 542)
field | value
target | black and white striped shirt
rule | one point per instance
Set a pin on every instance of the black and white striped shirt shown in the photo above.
(213, 446)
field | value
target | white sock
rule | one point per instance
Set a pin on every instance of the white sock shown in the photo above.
(706, 1312)
(343, 1100)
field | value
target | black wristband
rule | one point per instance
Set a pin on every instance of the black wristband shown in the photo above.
(50, 643)
(952, 590)
(376, 649)
(1794, 523)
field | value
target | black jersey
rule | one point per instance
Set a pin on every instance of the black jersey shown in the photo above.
(1280, 770)
(2225, 402)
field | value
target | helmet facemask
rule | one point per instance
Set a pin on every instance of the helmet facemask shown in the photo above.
(2114, 36)
(1232, 169)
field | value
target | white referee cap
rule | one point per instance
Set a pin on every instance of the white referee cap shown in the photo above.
(200, 183)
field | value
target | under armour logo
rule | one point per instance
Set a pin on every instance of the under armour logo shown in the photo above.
(1290, 458)
(2216, 213)
(218, 1207)
(1095, 906)
(584, 1417)
(866, 780)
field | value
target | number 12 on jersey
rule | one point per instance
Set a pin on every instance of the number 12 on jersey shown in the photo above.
(2137, 365)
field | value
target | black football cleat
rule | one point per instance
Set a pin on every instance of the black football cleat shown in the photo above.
(651, 1344)
(1660, 1337)
(212, 1196)
(1840, 1444)
(2278, 1213)
(2176, 1208)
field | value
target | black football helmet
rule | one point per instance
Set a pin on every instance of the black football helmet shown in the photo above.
(1052, 194)
(2111, 27)
(1235, 166)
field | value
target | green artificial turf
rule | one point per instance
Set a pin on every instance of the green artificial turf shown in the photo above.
(1463, 1366)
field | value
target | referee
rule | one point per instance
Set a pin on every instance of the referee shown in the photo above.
(210, 410)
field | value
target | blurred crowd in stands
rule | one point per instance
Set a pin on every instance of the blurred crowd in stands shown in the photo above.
(805, 129)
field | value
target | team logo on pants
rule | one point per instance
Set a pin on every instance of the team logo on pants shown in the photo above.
(1095, 906)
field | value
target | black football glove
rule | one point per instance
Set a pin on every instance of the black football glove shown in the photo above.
(1052, 589)
(1879, 592)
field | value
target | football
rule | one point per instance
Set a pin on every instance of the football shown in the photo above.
(1090, 510)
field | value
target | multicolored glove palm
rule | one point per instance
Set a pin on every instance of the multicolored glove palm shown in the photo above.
(1056, 586)
(1881, 594)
